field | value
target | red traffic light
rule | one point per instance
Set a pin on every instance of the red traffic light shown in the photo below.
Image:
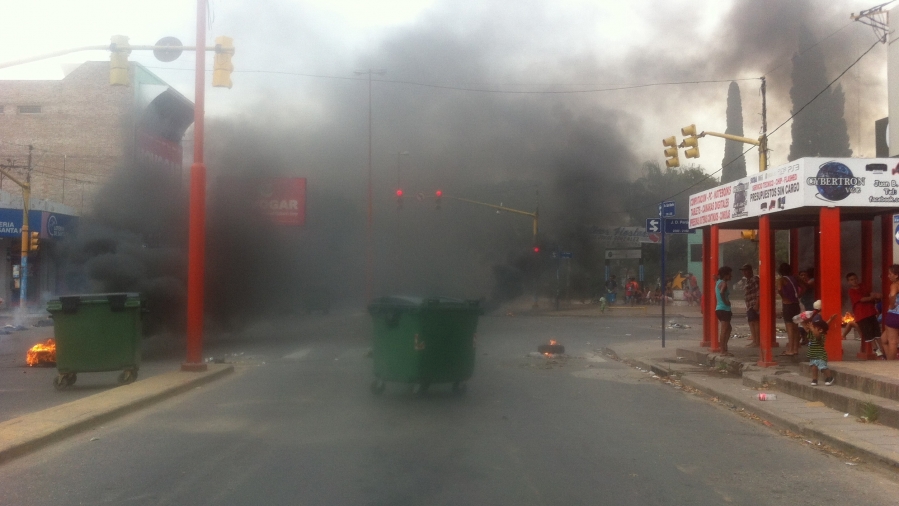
(438, 193)
(399, 193)
(536, 249)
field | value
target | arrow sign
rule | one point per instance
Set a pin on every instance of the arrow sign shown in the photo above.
(653, 225)
(666, 209)
(677, 226)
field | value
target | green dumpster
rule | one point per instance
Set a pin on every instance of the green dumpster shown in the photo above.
(95, 333)
(423, 341)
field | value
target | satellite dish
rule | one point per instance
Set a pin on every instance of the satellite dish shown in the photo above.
(165, 54)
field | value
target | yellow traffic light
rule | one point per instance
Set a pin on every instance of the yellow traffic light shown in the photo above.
(33, 244)
(750, 235)
(119, 49)
(222, 68)
(672, 160)
(691, 141)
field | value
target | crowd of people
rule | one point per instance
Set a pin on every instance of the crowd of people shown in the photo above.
(802, 314)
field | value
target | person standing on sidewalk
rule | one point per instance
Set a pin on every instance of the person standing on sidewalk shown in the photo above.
(788, 288)
(751, 294)
(817, 354)
(723, 309)
(864, 312)
(891, 317)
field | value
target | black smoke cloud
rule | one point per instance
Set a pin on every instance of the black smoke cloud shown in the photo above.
(571, 153)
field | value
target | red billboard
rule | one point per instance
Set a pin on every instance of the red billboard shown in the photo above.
(283, 199)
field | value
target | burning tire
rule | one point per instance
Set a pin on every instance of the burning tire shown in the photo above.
(551, 349)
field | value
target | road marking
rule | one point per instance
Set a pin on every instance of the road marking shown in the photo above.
(297, 355)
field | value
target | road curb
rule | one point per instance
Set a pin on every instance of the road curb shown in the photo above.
(33, 431)
(798, 425)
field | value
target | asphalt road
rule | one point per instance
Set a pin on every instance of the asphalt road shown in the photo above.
(298, 425)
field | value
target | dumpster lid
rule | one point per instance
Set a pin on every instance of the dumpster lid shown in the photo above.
(97, 297)
(395, 302)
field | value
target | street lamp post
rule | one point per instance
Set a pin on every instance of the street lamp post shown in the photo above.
(369, 229)
(196, 246)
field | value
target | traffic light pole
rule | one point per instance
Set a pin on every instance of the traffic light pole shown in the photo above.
(26, 236)
(535, 215)
(196, 244)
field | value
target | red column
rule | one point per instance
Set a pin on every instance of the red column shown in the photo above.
(708, 287)
(817, 241)
(794, 249)
(766, 292)
(830, 279)
(867, 277)
(713, 299)
(886, 256)
(196, 243)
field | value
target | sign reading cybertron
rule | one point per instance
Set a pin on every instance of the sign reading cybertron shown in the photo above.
(807, 182)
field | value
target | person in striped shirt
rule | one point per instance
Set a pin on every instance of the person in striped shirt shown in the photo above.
(817, 356)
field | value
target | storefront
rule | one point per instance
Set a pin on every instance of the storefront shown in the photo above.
(809, 192)
(54, 223)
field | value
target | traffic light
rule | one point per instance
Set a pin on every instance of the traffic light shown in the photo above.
(671, 160)
(222, 67)
(119, 49)
(33, 243)
(751, 235)
(438, 197)
(399, 199)
(536, 249)
(691, 141)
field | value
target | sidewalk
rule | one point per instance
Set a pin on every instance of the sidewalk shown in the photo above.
(34, 414)
(858, 414)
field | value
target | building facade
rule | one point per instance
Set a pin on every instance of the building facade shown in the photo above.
(69, 137)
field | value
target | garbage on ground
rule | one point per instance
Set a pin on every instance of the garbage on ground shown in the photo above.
(675, 325)
(767, 397)
(42, 354)
(553, 348)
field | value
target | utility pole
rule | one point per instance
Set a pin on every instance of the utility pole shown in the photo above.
(369, 229)
(26, 236)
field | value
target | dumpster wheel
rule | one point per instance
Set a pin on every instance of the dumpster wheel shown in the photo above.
(64, 381)
(459, 387)
(378, 386)
(128, 376)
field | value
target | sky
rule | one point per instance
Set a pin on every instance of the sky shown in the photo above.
(529, 45)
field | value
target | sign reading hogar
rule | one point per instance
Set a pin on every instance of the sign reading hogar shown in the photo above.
(283, 199)
(807, 182)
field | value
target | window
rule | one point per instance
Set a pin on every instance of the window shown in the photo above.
(696, 252)
(29, 109)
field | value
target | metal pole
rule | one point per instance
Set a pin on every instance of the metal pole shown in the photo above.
(26, 201)
(664, 279)
(196, 248)
(369, 231)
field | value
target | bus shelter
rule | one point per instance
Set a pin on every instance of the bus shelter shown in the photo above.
(809, 192)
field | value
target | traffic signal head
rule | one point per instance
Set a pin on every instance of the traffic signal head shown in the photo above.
(34, 239)
(536, 249)
(222, 67)
(119, 49)
(399, 198)
(691, 141)
(671, 160)
(751, 235)
(438, 197)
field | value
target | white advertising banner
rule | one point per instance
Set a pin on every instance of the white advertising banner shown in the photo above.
(807, 182)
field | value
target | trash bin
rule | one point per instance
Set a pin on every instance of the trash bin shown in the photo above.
(423, 341)
(95, 333)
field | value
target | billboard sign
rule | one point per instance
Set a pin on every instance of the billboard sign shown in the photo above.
(807, 182)
(283, 199)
